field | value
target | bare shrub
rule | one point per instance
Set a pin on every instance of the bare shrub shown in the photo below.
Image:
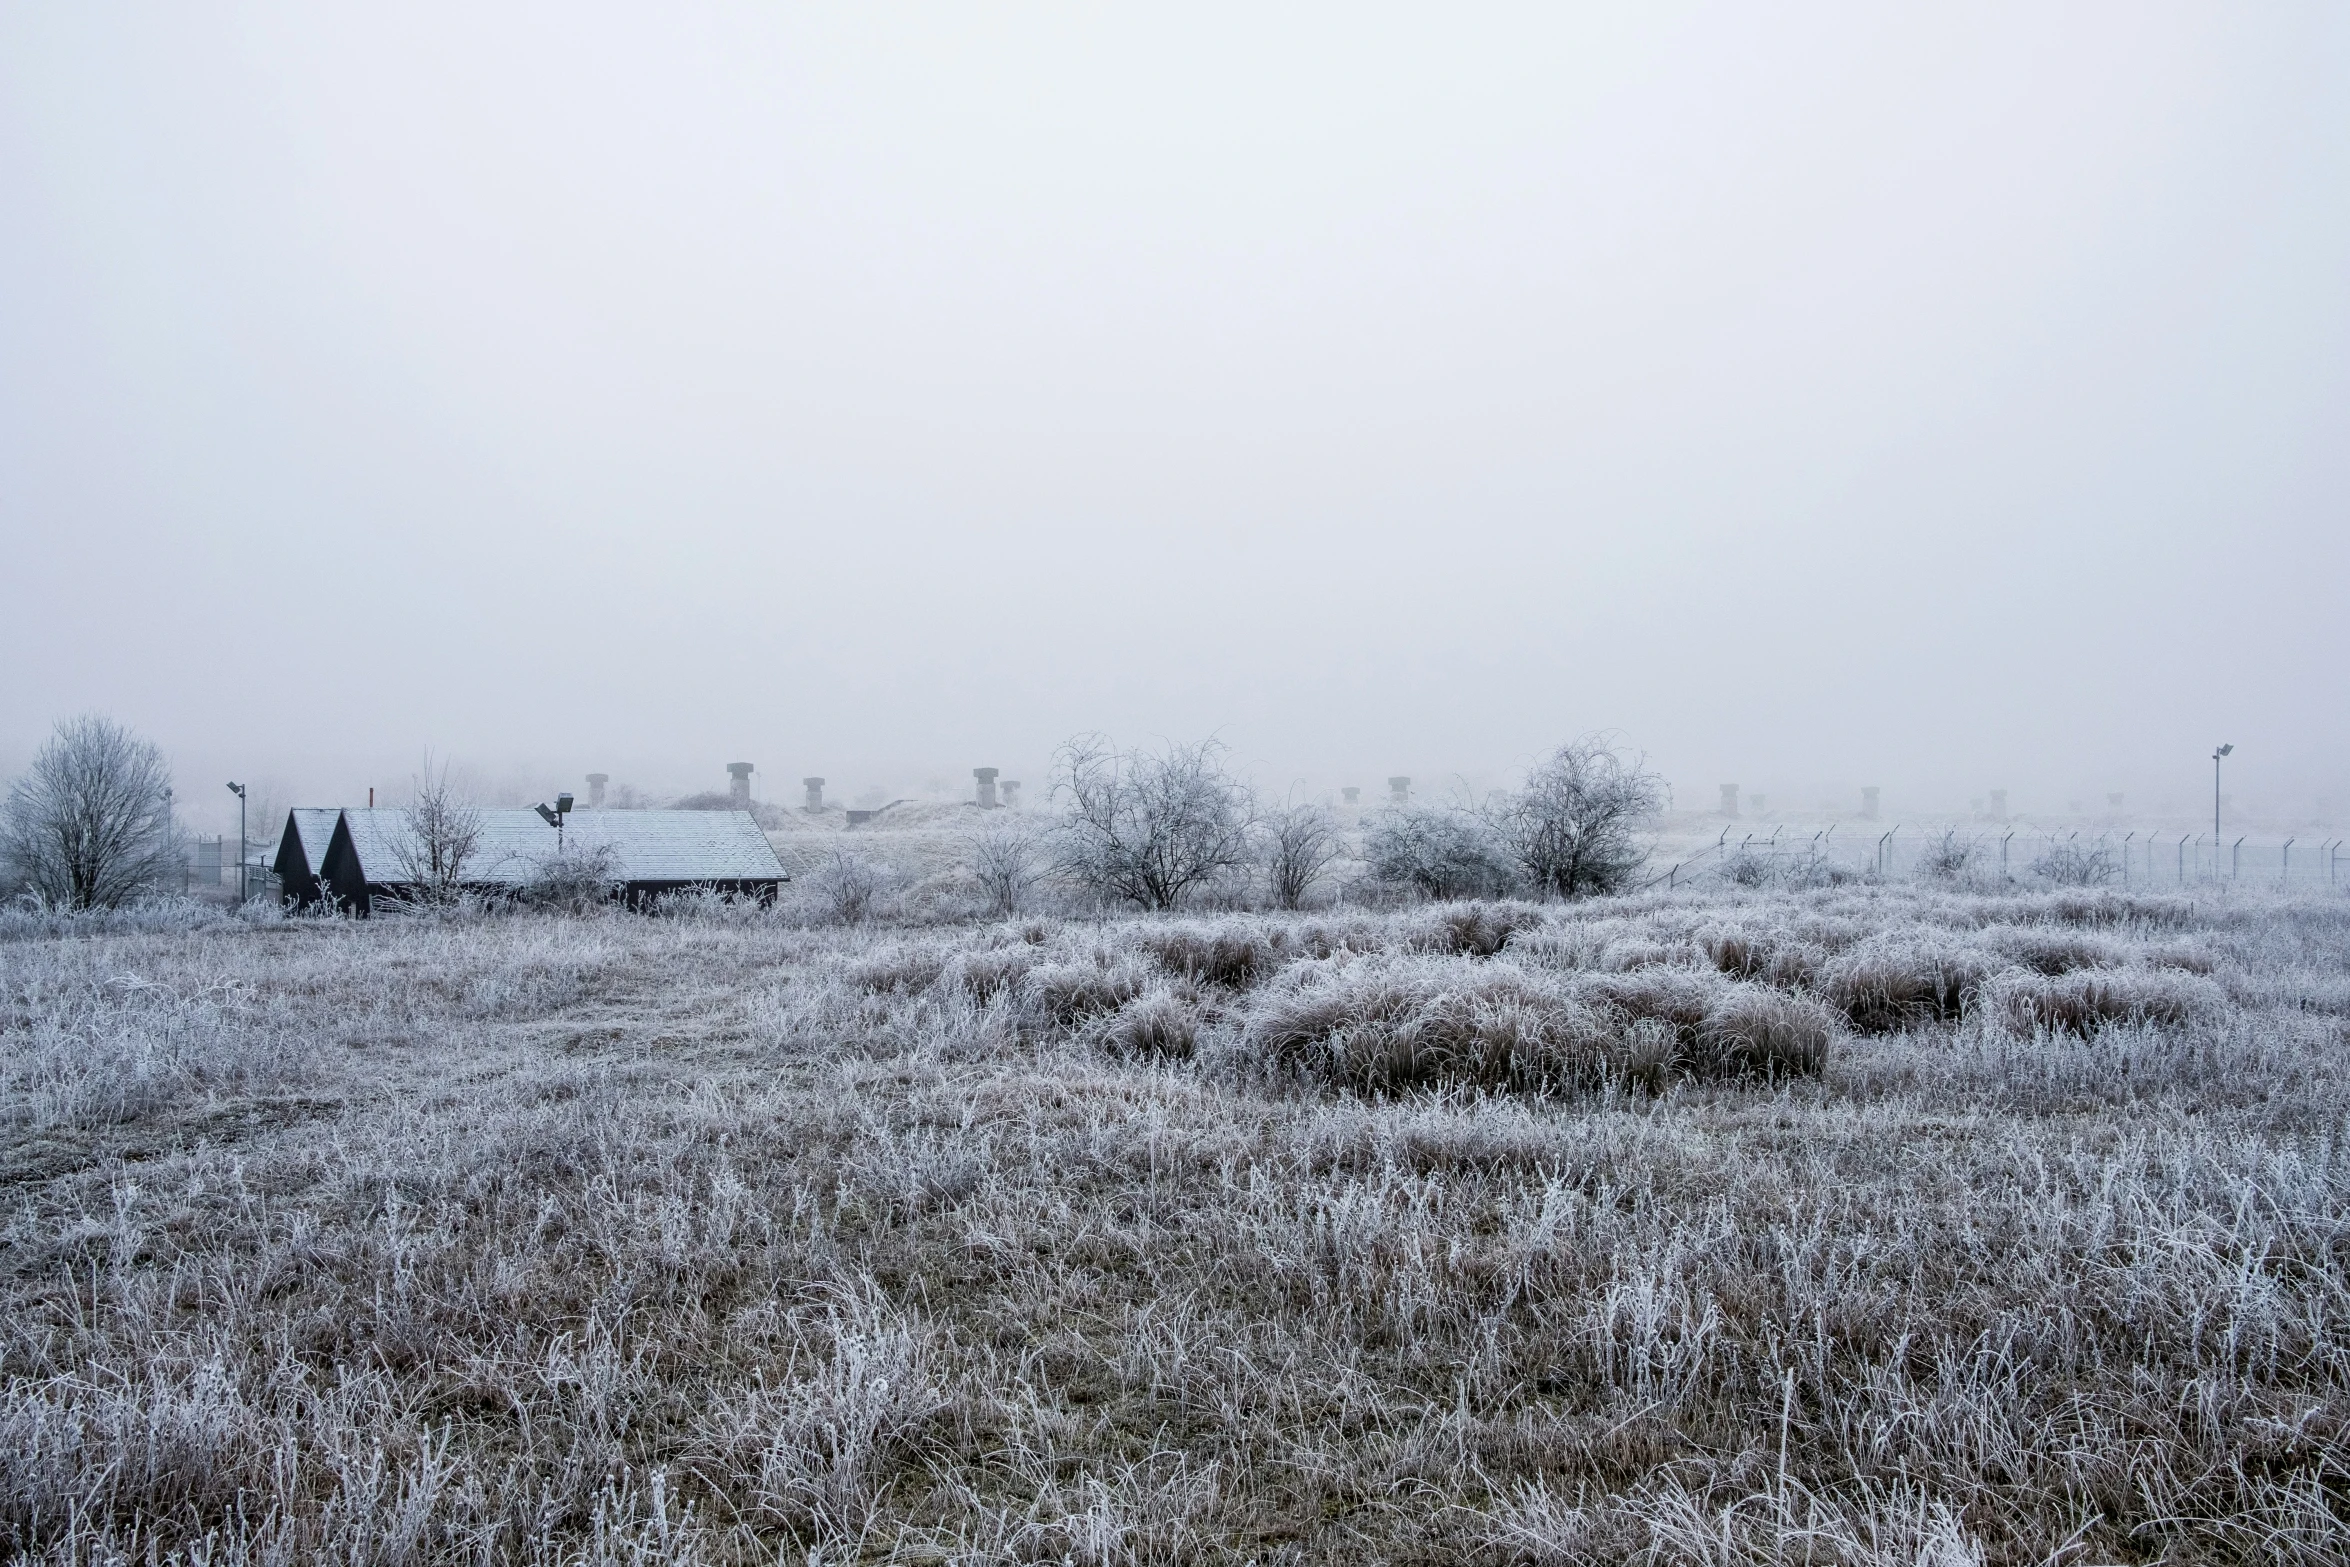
(440, 836)
(2077, 865)
(573, 879)
(1792, 869)
(1007, 860)
(1440, 852)
(1949, 858)
(847, 889)
(89, 825)
(1149, 828)
(1812, 866)
(1576, 828)
(1301, 842)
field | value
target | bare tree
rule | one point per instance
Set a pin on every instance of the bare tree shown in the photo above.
(1149, 827)
(1300, 843)
(1576, 827)
(443, 835)
(1440, 851)
(1005, 861)
(89, 826)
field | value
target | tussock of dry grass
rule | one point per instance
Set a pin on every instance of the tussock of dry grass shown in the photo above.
(1860, 1225)
(2086, 1002)
(1380, 1027)
(1905, 981)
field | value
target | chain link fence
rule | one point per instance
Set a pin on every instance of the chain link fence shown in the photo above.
(211, 869)
(2133, 858)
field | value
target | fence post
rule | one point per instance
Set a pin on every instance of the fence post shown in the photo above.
(2235, 859)
(2285, 864)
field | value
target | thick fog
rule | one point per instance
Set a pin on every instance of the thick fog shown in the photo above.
(1816, 397)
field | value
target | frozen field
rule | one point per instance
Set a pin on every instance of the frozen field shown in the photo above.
(1864, 1224)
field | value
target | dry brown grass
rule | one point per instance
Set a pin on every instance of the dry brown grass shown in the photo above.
(1858, 1226)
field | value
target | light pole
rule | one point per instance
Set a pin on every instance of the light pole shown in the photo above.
(238, 790)
(2215, 756)
(554, 815)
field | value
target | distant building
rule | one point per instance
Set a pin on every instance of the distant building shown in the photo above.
(362, 855)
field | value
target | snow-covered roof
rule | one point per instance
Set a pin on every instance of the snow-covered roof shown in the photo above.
(316, 829)
(646, 846)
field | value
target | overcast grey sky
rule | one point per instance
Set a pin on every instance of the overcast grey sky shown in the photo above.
(1931, 397)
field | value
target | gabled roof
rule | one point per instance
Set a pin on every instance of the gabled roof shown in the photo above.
(677, 845)
(315, 829)
(646, 846)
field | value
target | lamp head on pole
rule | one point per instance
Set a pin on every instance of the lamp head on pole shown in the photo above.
(237, 789)
(2222, 751)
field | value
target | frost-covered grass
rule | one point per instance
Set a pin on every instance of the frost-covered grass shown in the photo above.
(1866, 1225)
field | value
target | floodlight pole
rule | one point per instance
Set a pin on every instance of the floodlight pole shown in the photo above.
(553, 816)
(2215, 756)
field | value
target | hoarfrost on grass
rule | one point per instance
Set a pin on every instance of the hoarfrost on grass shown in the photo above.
(1879, 1224)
